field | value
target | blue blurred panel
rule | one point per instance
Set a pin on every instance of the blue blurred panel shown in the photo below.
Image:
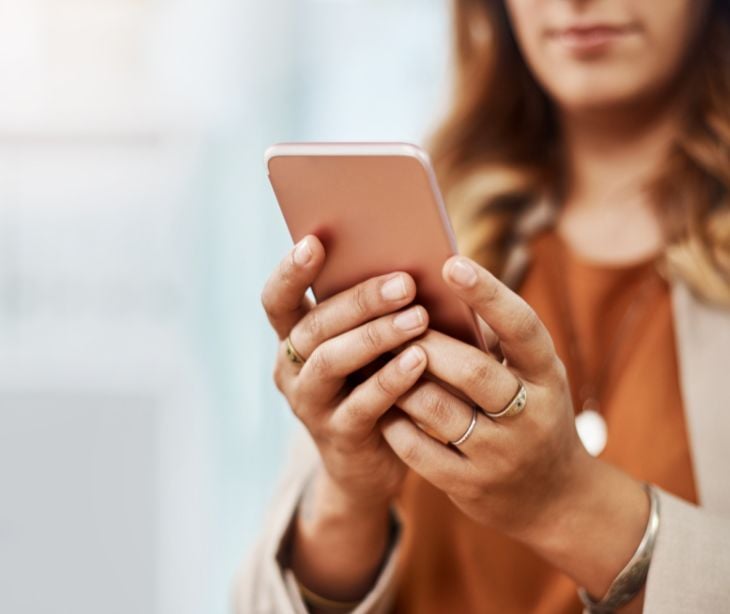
(137, 229)
(79, 490)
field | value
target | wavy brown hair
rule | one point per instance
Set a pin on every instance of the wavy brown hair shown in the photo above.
(498, 150)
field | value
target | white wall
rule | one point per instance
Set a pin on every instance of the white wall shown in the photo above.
(140, 432)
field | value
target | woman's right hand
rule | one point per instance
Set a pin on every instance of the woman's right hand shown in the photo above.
(341, 529)
(337, 337)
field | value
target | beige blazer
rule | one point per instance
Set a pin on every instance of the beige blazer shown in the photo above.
(690, 569)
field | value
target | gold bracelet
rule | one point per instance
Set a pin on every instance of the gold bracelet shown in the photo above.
(313, 599)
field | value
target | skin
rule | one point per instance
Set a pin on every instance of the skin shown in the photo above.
(527, 476)
(345, 508)
(637, 71)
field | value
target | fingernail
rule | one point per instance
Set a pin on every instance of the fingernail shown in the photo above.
(394, 289)
(302, 252)
(410, 358)
(462, 272)
(408, 320)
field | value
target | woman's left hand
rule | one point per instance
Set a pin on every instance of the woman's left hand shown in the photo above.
(527, 475)
(509, 471)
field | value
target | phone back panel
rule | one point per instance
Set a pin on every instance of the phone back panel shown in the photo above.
(375, 213)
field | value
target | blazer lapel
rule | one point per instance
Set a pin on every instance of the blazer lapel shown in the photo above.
(702, 334)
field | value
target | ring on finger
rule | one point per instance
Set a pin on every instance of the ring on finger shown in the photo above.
(469, 429)
(292, 353)
(514, 407)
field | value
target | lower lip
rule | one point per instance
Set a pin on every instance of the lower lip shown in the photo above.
(589, 41)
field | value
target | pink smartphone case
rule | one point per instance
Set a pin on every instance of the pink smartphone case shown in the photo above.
(376, 207)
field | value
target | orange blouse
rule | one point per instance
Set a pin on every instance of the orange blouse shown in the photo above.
(452, 564)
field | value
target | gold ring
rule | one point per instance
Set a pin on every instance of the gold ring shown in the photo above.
(514, 407)
(291, 352)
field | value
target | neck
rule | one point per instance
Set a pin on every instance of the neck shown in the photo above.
(609, 161)
(610, 158)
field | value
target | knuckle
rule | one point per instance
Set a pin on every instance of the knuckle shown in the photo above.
(360, 300)
(477, 374)
(384, 384)
(371, 336)
(313, 325)
(357, 415)
(411, 453)
(438, 409)
(526, 324)
(491, 293)
(320, 364)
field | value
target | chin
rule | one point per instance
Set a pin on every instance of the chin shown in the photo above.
(600, 93)
(592, 101)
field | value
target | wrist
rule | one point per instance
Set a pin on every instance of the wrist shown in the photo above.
(626, 591)
(334, 500)
(594, 527)
(339, 541)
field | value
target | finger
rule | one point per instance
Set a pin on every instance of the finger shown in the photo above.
(350, 308)
(286, 371)
(283, 296)
(525, 341)
(441, 414)
(490, 338)
(478, 375)
(324, 372)
(441, 465)
(369, 400)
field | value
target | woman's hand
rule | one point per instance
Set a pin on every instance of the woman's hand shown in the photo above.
(510, 471)
(342, 524)
(527, 475)
(336, 338)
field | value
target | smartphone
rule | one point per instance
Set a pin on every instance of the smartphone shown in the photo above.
(377, 209)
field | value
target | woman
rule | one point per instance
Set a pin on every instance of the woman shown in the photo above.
(586, 168)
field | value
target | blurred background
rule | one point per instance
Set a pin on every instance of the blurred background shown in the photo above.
(140, 431)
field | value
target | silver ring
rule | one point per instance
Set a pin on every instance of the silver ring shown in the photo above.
(469, 428)
(514, 407)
